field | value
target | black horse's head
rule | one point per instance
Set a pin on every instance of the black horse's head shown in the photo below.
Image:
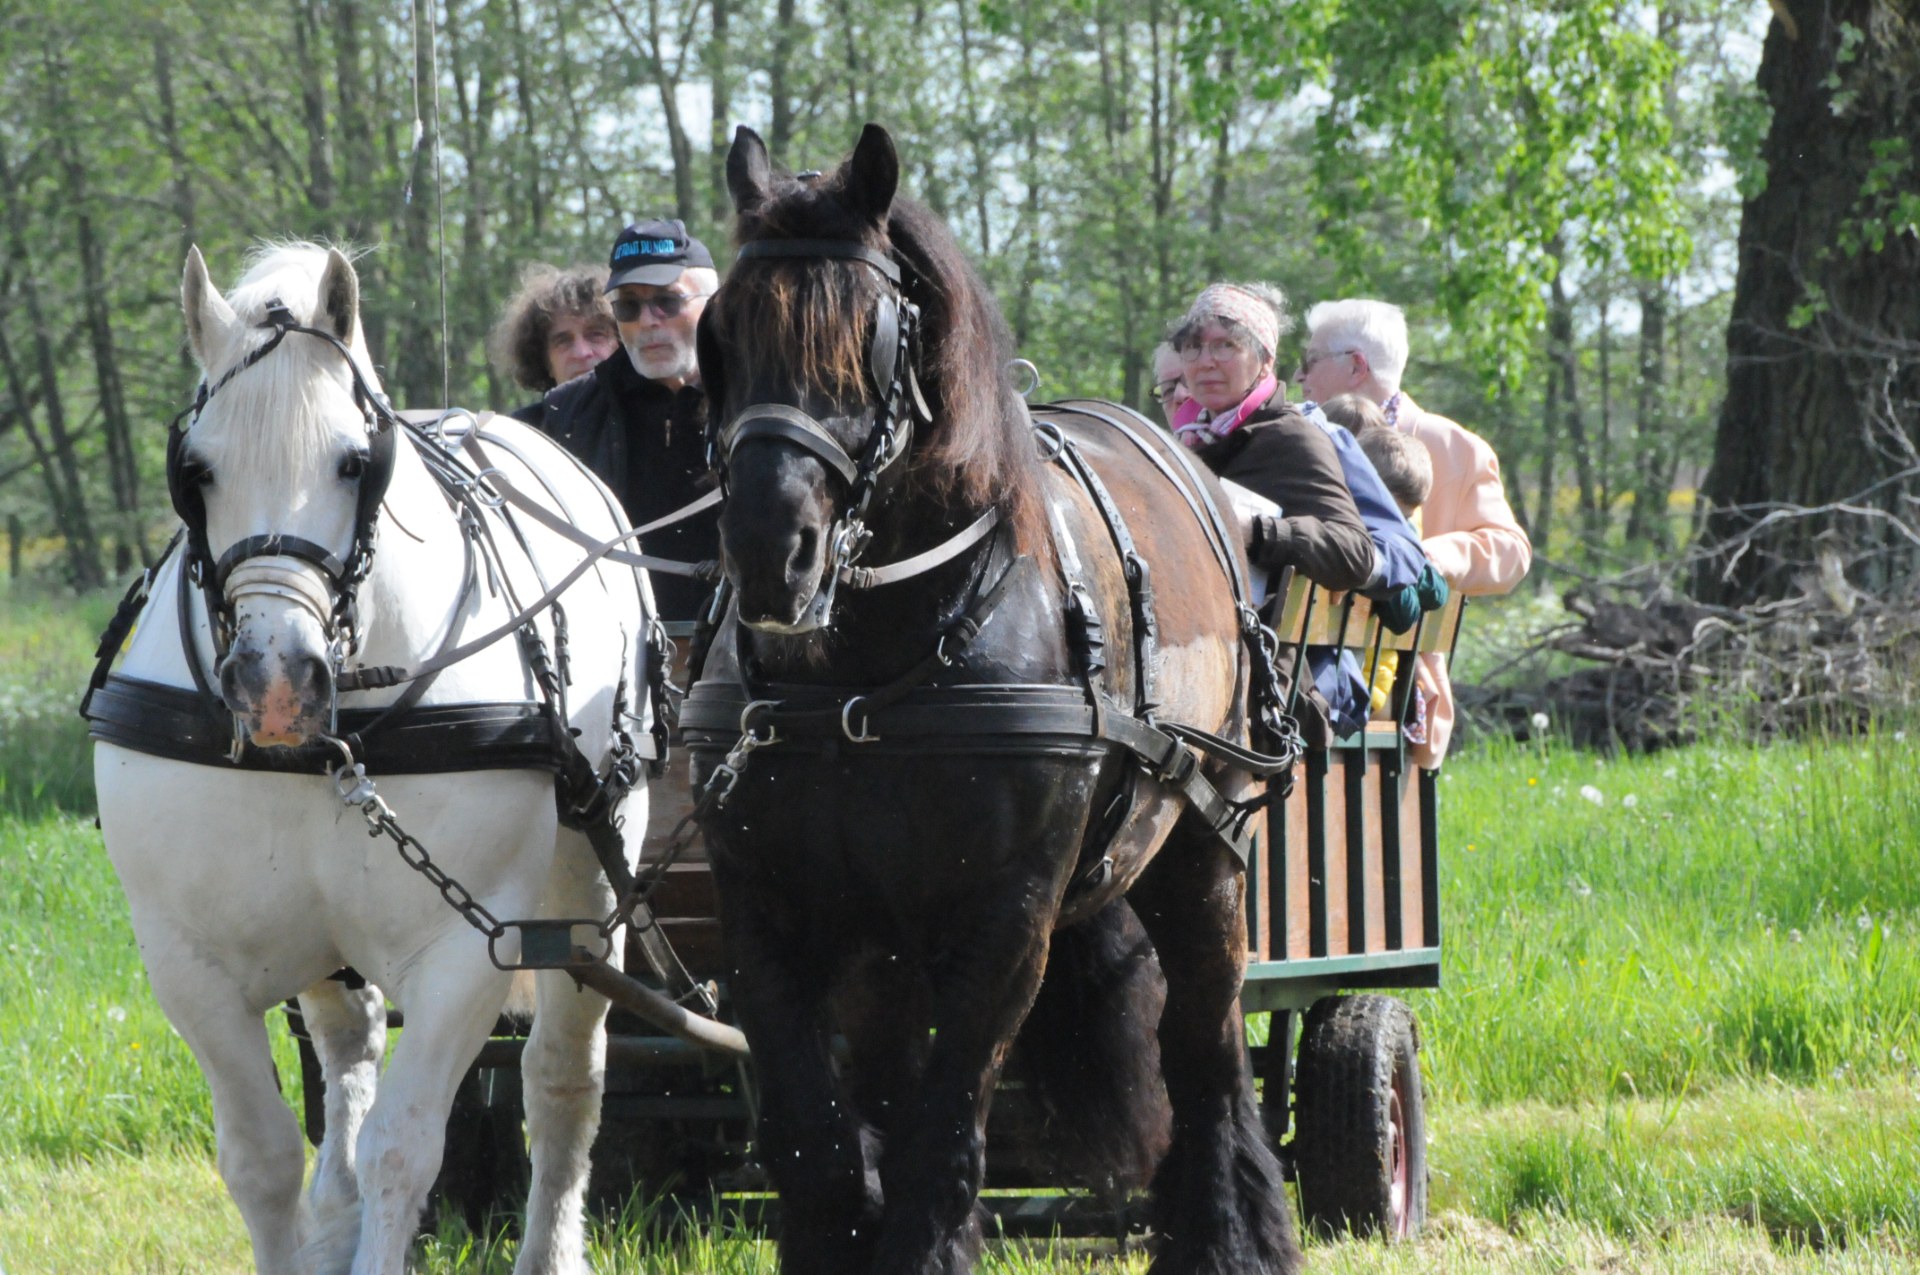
(853, 363)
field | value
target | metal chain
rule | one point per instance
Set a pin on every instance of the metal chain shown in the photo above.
(354, 788)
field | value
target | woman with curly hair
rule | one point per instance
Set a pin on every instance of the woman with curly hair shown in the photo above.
(557, 326)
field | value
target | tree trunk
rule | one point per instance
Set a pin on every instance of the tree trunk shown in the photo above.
(531, 162)
(1647, 520)
(57, 457)
(719, 133)
(313, 108)
(1542, 528)
(780, 132)
(1823, 347)
(976, 139)
(1217, 190)
(1567, 356)
(183, 201)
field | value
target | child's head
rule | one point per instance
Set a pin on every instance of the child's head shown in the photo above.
(1403, 465)
(1354, 413)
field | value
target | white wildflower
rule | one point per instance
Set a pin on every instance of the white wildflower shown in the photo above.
(1794, 936)
(1629, 801)
(1540, 721)
(1863, 922)
(115, 1014)
(1590, 793)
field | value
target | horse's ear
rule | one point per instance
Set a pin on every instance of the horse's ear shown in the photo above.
(748, 171)
(207, 311)
(339, 295)
(873, 175)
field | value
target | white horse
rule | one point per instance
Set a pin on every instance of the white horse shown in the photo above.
(247, 888)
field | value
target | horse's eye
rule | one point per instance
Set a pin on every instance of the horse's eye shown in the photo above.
(197, 474)
(352, 465)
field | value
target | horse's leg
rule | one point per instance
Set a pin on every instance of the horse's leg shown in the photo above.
(1219, 1196)
(259, 1149)
(561, 1073)
(935, 1154)
(809, 1137)
(452, 996)
(349, 1032)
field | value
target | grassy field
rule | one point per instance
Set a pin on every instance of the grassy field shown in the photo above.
(1679, 1030)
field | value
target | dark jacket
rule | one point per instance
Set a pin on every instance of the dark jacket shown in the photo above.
(649, 445)
(1283, 456)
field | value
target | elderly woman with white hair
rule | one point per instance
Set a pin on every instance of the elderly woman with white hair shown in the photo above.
(1239, 423)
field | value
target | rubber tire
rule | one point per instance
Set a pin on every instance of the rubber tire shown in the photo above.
(1358, 1105)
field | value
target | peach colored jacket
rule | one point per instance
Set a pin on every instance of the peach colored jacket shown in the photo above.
(1472, 537)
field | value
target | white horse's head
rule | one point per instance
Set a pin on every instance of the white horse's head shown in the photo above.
(275, 458)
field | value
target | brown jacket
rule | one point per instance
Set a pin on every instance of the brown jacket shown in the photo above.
(1283, 456)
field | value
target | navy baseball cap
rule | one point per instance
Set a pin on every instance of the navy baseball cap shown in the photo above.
(655, 252)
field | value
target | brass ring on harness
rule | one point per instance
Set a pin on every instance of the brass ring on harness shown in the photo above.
(846, 723)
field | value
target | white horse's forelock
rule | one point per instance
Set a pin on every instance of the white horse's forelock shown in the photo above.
(278, 419)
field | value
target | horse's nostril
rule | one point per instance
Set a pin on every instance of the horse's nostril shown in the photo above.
(804, 557)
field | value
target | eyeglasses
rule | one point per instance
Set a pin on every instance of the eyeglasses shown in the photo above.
(1163, 390)
(1313, 357)
(1219, 350)
(665, 306)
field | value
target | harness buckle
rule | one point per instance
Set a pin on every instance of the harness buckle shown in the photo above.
(846, 721)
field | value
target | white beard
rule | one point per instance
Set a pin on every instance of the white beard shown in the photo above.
(682, 364)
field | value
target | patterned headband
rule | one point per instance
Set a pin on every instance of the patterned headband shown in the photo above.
(1225, 301)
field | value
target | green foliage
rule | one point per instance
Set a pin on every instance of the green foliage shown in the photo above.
(1503, 134)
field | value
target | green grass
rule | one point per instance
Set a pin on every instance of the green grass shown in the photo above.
(1719, 913)
(47, 639)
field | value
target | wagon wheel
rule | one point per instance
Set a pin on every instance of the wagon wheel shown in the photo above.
(1361, 1140)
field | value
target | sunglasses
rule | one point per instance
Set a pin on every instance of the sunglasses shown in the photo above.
(668, 305)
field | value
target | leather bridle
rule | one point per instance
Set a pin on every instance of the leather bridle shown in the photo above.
(338, 612)
(890, 364)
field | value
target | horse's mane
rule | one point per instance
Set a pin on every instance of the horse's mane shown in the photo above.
(276, 418)
(814, 325)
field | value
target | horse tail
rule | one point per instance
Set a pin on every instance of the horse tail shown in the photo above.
(1089, 1055)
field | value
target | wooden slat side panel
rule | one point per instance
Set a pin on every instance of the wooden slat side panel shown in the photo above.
(1374, 857)
(1292, 843)
(1413, 860)
(1259, 905)
(1334, 865)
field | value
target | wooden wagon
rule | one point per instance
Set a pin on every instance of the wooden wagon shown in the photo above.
(1342, 895)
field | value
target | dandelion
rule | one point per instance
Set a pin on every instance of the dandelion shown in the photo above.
(135, 1046)
(115, 1014)
(1539, 721)
(1469, 847)
(1899, 737)
(1863, 922)
(1794, 936)
(1669, 773)
(1590, 793)
(1532, 780)
(1629, 801)
(1899, 1054)
(1580, 888)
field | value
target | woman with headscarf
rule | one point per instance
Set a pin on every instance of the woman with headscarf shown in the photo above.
(1239, 423)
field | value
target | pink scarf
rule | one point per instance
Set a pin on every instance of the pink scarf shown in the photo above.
(1195, 432)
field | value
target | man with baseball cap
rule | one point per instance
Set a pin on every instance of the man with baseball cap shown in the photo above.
(639, 420)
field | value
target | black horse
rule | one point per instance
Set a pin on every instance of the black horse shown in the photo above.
(943, 765)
